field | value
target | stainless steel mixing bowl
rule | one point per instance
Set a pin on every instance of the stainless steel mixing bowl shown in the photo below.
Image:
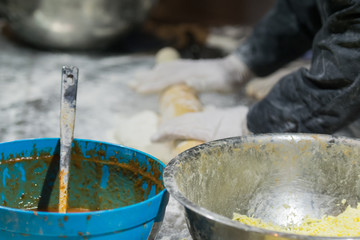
(279, 178)
(74, 24)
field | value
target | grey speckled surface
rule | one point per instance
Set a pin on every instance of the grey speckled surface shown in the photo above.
(30, 84)
(30, 101)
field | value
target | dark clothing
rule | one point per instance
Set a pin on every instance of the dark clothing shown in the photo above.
(324, 98)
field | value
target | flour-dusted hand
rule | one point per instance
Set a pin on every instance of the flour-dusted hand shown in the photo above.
(206, 126)
(202, 75)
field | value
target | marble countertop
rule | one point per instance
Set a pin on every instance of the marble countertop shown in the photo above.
(30, 83)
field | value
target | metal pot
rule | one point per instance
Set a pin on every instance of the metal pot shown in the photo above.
(279, 178)
(74, 24)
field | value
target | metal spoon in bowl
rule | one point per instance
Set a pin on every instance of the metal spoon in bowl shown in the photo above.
(69, 83)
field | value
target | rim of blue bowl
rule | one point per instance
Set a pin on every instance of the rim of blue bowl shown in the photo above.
(80, 215)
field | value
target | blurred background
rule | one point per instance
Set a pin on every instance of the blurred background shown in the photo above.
(202, 28)
(109, 41)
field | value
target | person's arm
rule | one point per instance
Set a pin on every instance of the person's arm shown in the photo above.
(326, 97)
(284, 34)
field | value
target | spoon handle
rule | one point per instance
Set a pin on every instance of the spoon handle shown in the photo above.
(69, 83)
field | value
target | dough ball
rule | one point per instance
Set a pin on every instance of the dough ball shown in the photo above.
(136, 131)
(185, 145)
(167, 54)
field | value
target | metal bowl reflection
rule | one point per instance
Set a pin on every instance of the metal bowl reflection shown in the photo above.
(74, 24)
(279, 178)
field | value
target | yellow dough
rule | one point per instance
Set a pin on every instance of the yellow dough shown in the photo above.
(177, 100)
(185, 145)
(346, 224)
(166, 54)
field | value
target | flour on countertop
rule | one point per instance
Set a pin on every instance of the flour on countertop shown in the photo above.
(30, 103)
(136, 132)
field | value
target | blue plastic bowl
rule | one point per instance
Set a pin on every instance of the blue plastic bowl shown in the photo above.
(122, 187)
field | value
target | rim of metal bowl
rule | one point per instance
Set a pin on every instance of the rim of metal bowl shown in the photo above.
(172, 187)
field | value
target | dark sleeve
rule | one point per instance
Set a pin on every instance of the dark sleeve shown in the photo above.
(284, 34)
(326, 97)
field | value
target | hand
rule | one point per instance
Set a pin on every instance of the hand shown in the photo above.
(206, 126)
(202, 75)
